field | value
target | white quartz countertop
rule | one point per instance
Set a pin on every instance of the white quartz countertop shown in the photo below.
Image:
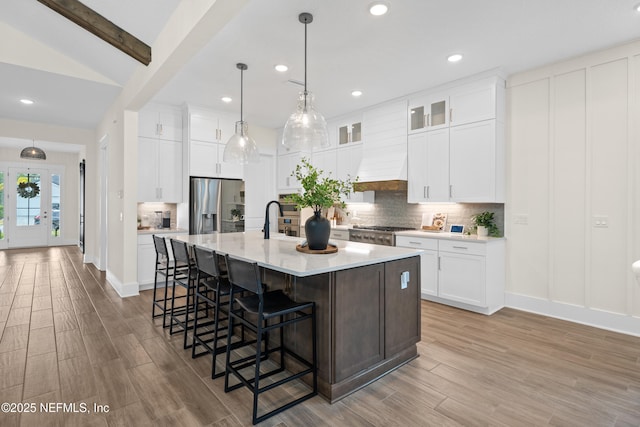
(163, 231)
(447, 236)
(279, 252)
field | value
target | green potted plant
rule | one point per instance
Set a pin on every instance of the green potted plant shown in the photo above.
(235, 214)
(485, 224)
(318, 192)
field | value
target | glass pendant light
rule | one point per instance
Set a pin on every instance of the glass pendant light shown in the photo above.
(241, 148)
(306, 128)
(33, 153)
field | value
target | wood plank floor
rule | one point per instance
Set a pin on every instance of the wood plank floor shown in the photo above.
(67, 337)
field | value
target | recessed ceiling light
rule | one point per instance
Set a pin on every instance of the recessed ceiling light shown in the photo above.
(356, 93)
(281, 68)
(637, 8)
(378, 8)
(26, 101)
(454, 58)
(226, 99)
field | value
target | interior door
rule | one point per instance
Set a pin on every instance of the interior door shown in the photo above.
(29, 202)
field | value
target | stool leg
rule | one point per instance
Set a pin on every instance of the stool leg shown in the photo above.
(256, 381)
(216, 320)
(282, 344)
(195, 327)
(173, 305)
(155, 288)
(186, 312)
(228, 353)
(166, 286)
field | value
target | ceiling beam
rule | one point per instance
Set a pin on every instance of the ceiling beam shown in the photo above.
(95, 23)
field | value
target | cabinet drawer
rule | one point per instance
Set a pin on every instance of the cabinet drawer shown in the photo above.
(416, 242)
(339, 234)
(145, 239)
(465, 247)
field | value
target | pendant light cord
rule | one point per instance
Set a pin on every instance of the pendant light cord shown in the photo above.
(241, 92)
(305, 65)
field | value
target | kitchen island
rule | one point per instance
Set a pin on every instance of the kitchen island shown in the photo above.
(368, 317)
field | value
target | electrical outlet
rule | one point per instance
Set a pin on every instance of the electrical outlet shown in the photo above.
(600, 221)
(404, 280)
(522, 219)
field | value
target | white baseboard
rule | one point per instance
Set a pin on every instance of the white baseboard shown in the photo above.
(468, 307)
(124, 290)
(625, 324)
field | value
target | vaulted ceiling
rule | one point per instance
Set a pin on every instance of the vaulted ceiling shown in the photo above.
(73, 76)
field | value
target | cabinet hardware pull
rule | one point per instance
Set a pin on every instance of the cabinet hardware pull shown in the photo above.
(428, 119)
(415, 243)
(424, 192)
(460, 247)
(450, 114)
(425, 121)
(439, 263)
(428, 191)
(450, 190)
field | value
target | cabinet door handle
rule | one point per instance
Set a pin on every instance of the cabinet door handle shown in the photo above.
(428, 119)
(460, 247)
(439, 264)
(450, 190)
(415, 243)
(424, 192)
(450, 114)
(428, 196)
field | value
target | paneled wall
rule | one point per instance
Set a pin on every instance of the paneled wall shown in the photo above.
(572, 216)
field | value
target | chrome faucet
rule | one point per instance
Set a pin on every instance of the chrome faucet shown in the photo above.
(266, 217)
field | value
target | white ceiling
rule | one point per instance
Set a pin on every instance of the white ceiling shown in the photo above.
(386, 57)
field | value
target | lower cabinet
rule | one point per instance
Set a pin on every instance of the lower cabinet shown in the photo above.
(338, 234)
(463, 273)
(147, 257)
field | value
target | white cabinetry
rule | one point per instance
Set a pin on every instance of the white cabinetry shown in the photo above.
(339, 234)
(325, 161)
(349, 130)
(208, 134)
(160, 122)
(428, 167)
(460, 272)
(159, 156)
(459, 157)
(147, 258)
(286, 165)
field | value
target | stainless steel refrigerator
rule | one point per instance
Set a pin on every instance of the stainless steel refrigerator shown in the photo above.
(216, 205)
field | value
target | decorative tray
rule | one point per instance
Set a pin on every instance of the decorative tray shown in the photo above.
(305, 250)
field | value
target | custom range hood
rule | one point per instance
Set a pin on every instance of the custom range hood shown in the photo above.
(383, 168)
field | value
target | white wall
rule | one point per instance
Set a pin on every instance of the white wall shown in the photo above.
(574, 157)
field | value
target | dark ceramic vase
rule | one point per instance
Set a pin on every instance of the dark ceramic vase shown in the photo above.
(317, 229)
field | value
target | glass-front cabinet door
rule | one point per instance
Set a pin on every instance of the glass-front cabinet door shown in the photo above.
(428, 113)
(350, 131)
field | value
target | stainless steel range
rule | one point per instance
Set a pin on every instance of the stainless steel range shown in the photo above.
(379, 235)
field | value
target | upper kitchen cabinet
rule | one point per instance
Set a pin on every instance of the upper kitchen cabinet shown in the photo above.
(160, 154)
(159, 170)
(325, 161)
(286, 165)
(458, 104)
(428, 112)
(208, 133)
(160, 122)
(349, 130)
(428, 167)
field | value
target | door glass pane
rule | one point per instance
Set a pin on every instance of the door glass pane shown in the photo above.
(28, 199)
(1, 205)
(356, 132)
(55, 205)
(417, 118)
(343, 135)
(438, 113)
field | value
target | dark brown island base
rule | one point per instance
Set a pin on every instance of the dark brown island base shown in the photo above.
(367, 301)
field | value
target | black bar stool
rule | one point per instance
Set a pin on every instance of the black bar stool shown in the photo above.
(212, 290)
(164, 267)
(274, 310)
(185, 276)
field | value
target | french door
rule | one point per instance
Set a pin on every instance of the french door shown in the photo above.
(30, 217)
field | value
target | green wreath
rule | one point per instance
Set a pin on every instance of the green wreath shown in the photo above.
(28, 190)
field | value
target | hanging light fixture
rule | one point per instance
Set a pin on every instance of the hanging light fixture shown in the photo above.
(33, 153)
(241, 148)
(306, 129)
